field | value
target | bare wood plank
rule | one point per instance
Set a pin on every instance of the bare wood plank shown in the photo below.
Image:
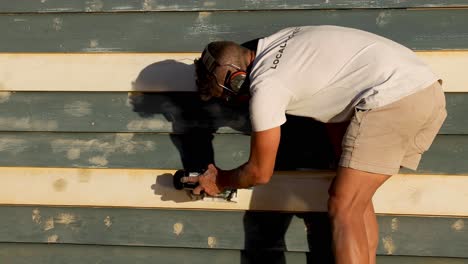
(189, 31)
(300, 191)
(152, 72)
(157, 72)
(259, 231)
(61, 6)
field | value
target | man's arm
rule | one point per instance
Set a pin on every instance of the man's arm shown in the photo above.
(258, 170)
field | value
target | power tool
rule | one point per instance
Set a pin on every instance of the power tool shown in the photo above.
(229, 195)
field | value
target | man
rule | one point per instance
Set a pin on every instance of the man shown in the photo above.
(393, 101)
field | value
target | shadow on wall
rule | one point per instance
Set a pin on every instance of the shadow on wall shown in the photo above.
(168, 87)
(170, 93)
(304, 145)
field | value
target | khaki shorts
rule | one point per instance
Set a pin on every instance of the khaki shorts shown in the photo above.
(383, 139)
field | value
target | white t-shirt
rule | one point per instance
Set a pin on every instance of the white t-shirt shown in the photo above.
(325, 72)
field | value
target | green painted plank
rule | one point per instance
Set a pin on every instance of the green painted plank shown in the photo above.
(190, 31)
(399, 235)
(456, 120)
(419, 260)
(61, 6)
(126, 150)
(447, 155)
(118, 112)
(58, 253)
(148, 112)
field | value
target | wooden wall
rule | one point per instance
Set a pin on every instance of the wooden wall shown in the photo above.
(97, 111)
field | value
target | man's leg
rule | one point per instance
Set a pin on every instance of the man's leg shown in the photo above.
(372, 231)
(350, 195)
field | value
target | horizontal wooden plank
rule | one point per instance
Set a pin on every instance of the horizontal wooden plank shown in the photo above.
(194, 150)
(22, 253)
(118, 112)
(61, 6)
(123, 150)
(190, 31)
(399, 235)
(300, 191)
(149, 112)
(157, 72)
(152, 72)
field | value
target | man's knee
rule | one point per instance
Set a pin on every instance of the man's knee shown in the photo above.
(346, 209)
(351, 192)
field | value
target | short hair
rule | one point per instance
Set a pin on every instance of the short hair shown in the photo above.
(222, 51)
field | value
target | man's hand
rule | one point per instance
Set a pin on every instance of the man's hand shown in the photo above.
(206, 182)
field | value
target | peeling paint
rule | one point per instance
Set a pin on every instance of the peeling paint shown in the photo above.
(148, 5)
(122, 8)
(36, 216)
(99, 160)
(123, 142)
(65, 219)
(52, 239)
(49, 224)
(178, 228)
(209, 3)
(383, 19)
(21, 123)
(94, 5)
(148, 124)
(93, 43)
(395, 224)
(388, 245)
(78, 109)
(212, 242)
(12, 145)
(107, 222)
(62, 145)
(57, 23)
(73, 153)
(5, 97)
(202, 26)
(60, 185)
(458, 225)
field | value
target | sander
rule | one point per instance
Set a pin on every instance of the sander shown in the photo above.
(229, 195)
